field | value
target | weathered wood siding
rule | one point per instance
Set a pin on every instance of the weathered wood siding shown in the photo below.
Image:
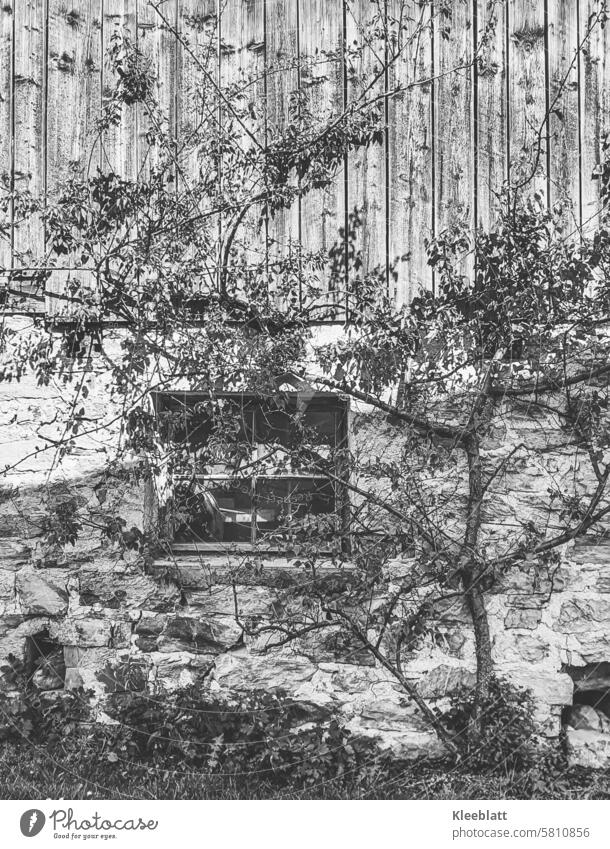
(529, 107)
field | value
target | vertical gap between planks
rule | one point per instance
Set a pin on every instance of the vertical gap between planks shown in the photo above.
(580, 80)
(345, 166)
(434, 189)
(299, 198)
(547, 104)
(44, 112)
(136, 112)
(386, 118)
(138, 166)
(12, 142)
(175, 98)
(475, 127)
(221, 273)
(507, 87)
(266, 131)
(102, 58)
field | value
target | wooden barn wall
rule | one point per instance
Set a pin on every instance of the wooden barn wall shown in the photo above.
(450, 141)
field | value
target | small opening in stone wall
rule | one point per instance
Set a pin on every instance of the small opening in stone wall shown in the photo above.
(44, 662)
(586, 721)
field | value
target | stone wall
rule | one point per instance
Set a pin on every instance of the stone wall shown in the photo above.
(127, 625)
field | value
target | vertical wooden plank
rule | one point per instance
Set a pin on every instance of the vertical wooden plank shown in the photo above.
(594, 105)
(453, 133)
(366, 174)
(564, 130)
(157, 42)
(119, 142)
(321, 78)
(74, 81)
(491, 147)
(29, 109)
(242, 62)
(197, 120)
(197, 57)
(410, 146)
(281, 66)
(6, 129)
(528, 97)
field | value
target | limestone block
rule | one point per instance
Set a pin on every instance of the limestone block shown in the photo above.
(548, 687)
(239, 670)
(9, 622)
(25, 522)
(220, 601)
(509, 649)
(588, 748)
(14, 554)
(410, 744)
(180, 669)
(532, 585)
(577, 615)
(602, 584)
(148, 629)
(41, 593)
(91, 632)
(73, 680)
(348, 681)
(527, 618)
(399, 569)
(323, 646)
(192, 575)
(7, 584)
(198, 635)
(73, 655)
(391, 715)
(591, 551)
(452, 611)
(445, 679)
(112, 587)
(92, 666)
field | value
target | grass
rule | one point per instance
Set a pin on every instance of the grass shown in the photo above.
(79, 772)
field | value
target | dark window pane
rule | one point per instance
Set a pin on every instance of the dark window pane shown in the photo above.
(320, 427)
(209, 432)
(283, 501)
(214, 511)
(293, 427)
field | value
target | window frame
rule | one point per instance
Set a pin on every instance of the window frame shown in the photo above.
(327, 401)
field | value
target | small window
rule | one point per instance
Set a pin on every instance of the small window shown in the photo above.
(44, 662)
(249, 471)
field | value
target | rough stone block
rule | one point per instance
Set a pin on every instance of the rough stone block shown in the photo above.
(186, 633)
(40, 593)
(92, 632)
(577, 615)
(14, 554)
(528, 618)
(546, 686)
(445, 679)
(112, 588)
(261, 672)
(588, 748)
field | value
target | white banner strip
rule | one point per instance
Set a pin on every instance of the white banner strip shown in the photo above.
(306, 825)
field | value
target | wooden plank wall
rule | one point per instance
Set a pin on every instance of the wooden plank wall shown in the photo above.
(455, 130)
